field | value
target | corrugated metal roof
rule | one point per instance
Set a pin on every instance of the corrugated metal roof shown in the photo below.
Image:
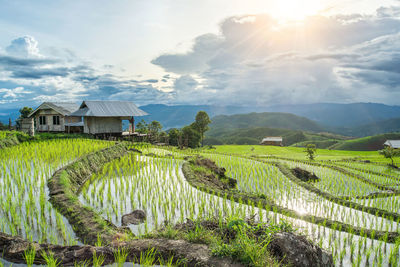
(108, 109)
(272, 139)
(393, 143)
(67, 107)
(64, 108)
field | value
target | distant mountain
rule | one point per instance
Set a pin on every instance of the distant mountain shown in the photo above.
(375, 128)
(334, 117)
(341, 115)
(265, 119)
(6, 114)
(181, 115)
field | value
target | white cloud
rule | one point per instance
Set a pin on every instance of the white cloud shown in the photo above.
(25, 46)
(13, 93)
(258, 61)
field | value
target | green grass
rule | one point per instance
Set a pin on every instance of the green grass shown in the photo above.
(298, 153)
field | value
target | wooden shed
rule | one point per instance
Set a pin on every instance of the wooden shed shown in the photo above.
(105, 117)
(272, 141)
(53, 116)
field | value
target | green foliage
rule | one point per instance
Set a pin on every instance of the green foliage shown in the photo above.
(98, 260)
(142, 127)
(389, 153)
(25, 111)
(245, 247)
(310, 151)
(175, 137)
(120, 255)
(201, 123)
(154, 128)
(29, 256)
(191, 137)
(50, 260)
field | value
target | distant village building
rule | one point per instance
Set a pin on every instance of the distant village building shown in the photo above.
(53, 117)
(272, 141)
(392, 144)
(105, 117)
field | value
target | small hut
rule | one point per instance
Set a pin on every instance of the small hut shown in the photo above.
(272, 141)
(392, 143)
(105, 117)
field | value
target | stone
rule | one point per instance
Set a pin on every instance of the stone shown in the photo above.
(295, 250)
(135, 217)
(305, 175)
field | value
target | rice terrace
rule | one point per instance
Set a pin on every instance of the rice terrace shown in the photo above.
(213, 133)
(71, 193)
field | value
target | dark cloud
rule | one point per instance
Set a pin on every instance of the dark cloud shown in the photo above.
(40, 73)
(151, 81)
(10, 61)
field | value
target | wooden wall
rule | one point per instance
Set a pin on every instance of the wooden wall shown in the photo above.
(27, 126)
(100, 125)
(49, 127)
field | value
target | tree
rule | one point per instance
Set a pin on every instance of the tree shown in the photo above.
(154, 130)
(175, 137)
(25, 111)
(191, 137)
(201, 123)
(142, 127)
(389, 153)
(310, 151)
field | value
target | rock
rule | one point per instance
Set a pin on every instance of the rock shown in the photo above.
(297, 251)
(304, 175)
(135, 217)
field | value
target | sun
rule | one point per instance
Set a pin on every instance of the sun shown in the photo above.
(295, 10)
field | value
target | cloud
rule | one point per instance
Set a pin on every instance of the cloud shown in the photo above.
(25, 46)
(29, 77)
(255, 60)
(13, 93)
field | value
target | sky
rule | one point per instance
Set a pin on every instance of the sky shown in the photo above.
(218, 52)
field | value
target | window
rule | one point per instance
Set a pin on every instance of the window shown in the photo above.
(56, 120)
(42, 120)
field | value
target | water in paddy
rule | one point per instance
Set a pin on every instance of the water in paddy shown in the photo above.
(261, 178)
(158, 187)
(24, 170)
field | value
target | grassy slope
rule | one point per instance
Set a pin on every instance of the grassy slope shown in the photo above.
(253, 136)
(369, 143)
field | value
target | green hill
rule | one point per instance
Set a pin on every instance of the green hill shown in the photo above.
(265, 119)
(250, 128)
(368, 143)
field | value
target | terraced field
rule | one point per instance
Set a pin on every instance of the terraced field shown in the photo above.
(352, 211)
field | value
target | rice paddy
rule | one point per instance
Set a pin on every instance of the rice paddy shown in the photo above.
(153, 181)
(24, 207)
